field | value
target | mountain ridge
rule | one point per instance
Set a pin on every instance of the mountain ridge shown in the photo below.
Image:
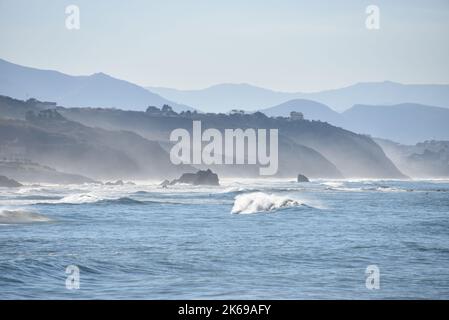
(95, 90)
(227, 96)
(407, 123)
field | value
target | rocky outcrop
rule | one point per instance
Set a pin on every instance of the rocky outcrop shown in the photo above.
(9, 183)
(116, 183)
(165, 183)
(302, 178)
(202, 177)
(35, 173)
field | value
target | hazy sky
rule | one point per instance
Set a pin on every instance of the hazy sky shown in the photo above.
(283, 45)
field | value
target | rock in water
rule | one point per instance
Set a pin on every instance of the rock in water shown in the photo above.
(9, 183)
(202, 177)
(116, 183)
(164, 183)
(302, 178)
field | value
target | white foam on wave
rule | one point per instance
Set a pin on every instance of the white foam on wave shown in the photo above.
(261, 202)
(80, 198)
(386, 189)
(235, 189)
(19, 216)
(333, 184)
(368, 189)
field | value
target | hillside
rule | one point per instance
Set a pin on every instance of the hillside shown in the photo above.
(351, 154)
(226, 96)
(311, 110)
(429, 159)
(30, 172)
(405, 123)
(126, 142)
(49, 139)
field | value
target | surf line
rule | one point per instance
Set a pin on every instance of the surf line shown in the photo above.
(189, 149)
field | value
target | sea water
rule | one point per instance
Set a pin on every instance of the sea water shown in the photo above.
(246, 239)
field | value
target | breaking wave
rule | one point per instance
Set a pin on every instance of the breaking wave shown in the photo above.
(261, 202)
(234, 190)
(21, 216)
(79, 199)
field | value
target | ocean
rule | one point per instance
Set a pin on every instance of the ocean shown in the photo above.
(245, 239)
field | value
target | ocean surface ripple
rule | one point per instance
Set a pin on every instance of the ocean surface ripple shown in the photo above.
(246, 239)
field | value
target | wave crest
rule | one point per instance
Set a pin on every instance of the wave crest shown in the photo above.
(260, 202)
(21, 216)
(79, 199)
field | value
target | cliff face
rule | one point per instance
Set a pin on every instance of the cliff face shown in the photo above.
(5, 182)
(428, 159)
(356, 156)
(114, 144)
(29, 172)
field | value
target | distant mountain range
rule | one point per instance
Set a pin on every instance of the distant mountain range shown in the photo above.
(403, 113)
(407, 123)
(97, 90)
(311, 110)
(224, 97)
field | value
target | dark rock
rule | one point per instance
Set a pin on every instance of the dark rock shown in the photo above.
(32, 172)
(302, 178)
(202, 177)
(165, 183)
(9, 183)
(116, 183)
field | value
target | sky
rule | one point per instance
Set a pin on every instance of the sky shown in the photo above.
(279, 44)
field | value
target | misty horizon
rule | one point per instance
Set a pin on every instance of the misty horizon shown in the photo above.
(236, 82)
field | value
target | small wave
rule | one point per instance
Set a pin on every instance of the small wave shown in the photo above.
(260, 202)
(95, 200)
(346, 189)
(238, 190)
(21, 216)
(79, 199)
(333, 184)
(38, 197)
(142, 193)
(234, 189)
(369, 188)
(429, 190)
(386, 189)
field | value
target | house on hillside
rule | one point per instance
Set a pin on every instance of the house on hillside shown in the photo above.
(296, 116)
